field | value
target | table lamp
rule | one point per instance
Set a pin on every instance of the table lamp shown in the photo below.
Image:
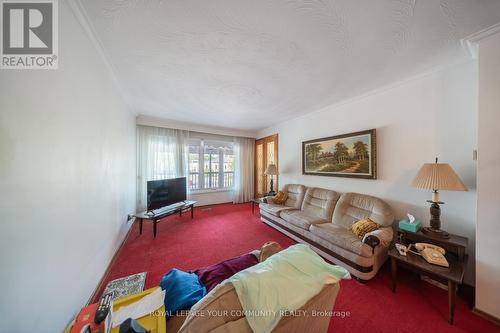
(271, 170)
(437, 176)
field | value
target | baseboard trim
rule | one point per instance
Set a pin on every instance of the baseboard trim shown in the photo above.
(214, 204)
(223, 203)
(108, 268)
(115, 255)
(486, 316)
(475, 310)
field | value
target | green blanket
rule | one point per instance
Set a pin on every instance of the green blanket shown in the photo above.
(283, 282)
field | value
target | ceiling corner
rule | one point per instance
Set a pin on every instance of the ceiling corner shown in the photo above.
(470, 43)
(82, 18)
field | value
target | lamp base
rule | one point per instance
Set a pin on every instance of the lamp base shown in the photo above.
(436, 233)
(435, 229)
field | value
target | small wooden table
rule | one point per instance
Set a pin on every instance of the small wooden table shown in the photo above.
(453, 275)
(156, 215)
(455, 244)
(256, 201)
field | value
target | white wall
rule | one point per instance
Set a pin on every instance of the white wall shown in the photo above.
(416, 120)
(67, 180)
(488, 179)
(211, 197)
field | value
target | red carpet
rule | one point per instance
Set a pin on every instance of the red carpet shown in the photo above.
(223, 231)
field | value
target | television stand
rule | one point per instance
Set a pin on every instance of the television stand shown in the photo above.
(157, 214)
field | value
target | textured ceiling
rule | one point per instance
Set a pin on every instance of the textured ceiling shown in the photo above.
(249, 64)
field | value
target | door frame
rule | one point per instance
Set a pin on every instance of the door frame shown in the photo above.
(264, 141)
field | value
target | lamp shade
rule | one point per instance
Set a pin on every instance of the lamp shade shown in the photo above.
(438, 176)
(271, 170)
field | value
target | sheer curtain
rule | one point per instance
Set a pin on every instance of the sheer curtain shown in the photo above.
(244, 171)
(161, 154)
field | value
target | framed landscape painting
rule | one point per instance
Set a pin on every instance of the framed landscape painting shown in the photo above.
(348, 155)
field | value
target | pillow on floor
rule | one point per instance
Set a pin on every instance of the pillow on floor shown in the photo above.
(363, 227)
(183, 290)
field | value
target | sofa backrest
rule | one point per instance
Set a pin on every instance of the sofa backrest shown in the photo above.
(319, 202)
(222, 297)
(295, 194)
(352, 207)
(220, 310)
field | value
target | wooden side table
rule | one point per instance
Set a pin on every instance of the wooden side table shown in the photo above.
(158, 214)
(256, 202)
(455, 254)
(455, 244)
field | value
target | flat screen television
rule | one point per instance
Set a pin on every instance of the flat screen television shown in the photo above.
(165, 192)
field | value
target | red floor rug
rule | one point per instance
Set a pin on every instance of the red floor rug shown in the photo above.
(223, 231)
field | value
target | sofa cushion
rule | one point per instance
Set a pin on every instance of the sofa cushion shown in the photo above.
(308, 237)
(353, 207)
(301, 219)
(319, 202)
(341, 237)
(277, 221)
(273, 208)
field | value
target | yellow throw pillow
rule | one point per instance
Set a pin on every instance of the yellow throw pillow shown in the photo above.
(280, 198)
(363, 227)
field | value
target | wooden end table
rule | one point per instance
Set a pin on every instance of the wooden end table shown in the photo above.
(255, 202)
(452, 276)
(156, 215)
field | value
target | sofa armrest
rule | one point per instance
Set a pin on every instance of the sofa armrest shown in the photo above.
(372, 241)
(382, 236)
(268, 200)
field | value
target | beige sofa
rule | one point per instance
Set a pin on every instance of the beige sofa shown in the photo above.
(220, 311)
(322, 218)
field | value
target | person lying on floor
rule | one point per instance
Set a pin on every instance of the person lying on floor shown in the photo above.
(184, 289)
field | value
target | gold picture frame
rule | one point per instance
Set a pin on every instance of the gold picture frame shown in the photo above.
(348, 155)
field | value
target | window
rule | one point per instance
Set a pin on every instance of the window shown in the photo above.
(163, 160)
(211, 165)
(194, 167)
(228, 173)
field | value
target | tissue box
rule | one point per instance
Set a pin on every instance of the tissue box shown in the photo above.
(404, 224)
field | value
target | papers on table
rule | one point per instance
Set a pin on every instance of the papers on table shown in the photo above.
(141, 308)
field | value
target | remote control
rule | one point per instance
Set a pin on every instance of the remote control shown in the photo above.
(103, 308)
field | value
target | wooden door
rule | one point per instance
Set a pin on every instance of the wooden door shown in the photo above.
(266, 152)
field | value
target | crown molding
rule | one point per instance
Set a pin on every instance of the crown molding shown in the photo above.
(471, 42)
(168, 123)
(82, 18)
(373, 92)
